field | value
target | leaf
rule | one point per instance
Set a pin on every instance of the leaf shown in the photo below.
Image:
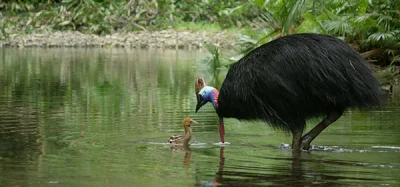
(362, 6)
(29, 21)
(38, 14)
(64, 23)
(311, 24)
(28, 6)
(362, 18)
(229, 11)
(259, 3)
(77, 15)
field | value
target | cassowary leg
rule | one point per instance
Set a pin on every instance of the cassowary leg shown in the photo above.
(309, 137)
(296, 142)
(221, 129)
(297, 132)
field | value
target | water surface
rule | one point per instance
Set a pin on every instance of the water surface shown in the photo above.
(102, 117)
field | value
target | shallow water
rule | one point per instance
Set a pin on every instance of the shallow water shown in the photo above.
(102, 117)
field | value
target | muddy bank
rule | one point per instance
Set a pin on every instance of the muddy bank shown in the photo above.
(158, 39)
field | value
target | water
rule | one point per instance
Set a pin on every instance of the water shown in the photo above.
(102, 117)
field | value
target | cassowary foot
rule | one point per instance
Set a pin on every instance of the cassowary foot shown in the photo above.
(305, 142)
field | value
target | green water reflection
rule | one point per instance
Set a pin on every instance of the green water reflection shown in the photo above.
(102, 117)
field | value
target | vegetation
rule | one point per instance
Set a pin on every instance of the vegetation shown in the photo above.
(108, 16)
(372, 27)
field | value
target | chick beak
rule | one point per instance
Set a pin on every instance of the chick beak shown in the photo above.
(194, 122)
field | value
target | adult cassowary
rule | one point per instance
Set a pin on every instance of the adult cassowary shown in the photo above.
(290, 80)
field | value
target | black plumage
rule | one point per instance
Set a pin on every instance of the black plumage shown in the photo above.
(295, 78)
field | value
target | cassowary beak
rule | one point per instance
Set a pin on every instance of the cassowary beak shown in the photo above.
(200, 104)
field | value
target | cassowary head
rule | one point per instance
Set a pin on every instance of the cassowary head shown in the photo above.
(198, 85)
(205, 94)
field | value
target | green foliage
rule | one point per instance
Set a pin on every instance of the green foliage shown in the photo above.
(365, 24)
(89, 16)
(226, 13)
(368, 25)
(214, 62)
(106, 16)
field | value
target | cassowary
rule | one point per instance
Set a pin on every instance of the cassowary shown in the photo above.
(290, 80)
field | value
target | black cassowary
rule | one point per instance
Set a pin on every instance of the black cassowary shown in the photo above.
(290, 80)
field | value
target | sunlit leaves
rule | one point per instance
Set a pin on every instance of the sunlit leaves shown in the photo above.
(339, 25)
(384, 36)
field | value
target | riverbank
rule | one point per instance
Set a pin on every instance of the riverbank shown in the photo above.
(140, 39)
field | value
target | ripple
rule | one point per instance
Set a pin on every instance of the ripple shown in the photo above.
(222, 144)
(285, 146)
(335, 149)
(157, 143)
(385, 147)
(375, 165)
(198, 144)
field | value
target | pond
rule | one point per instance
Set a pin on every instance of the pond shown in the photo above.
(102, 117)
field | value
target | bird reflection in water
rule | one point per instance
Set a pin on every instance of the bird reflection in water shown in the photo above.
(217, 181)
(295, 170)
(300, 171)
(187, 159)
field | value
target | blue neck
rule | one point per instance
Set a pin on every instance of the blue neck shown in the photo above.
(211, 95)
